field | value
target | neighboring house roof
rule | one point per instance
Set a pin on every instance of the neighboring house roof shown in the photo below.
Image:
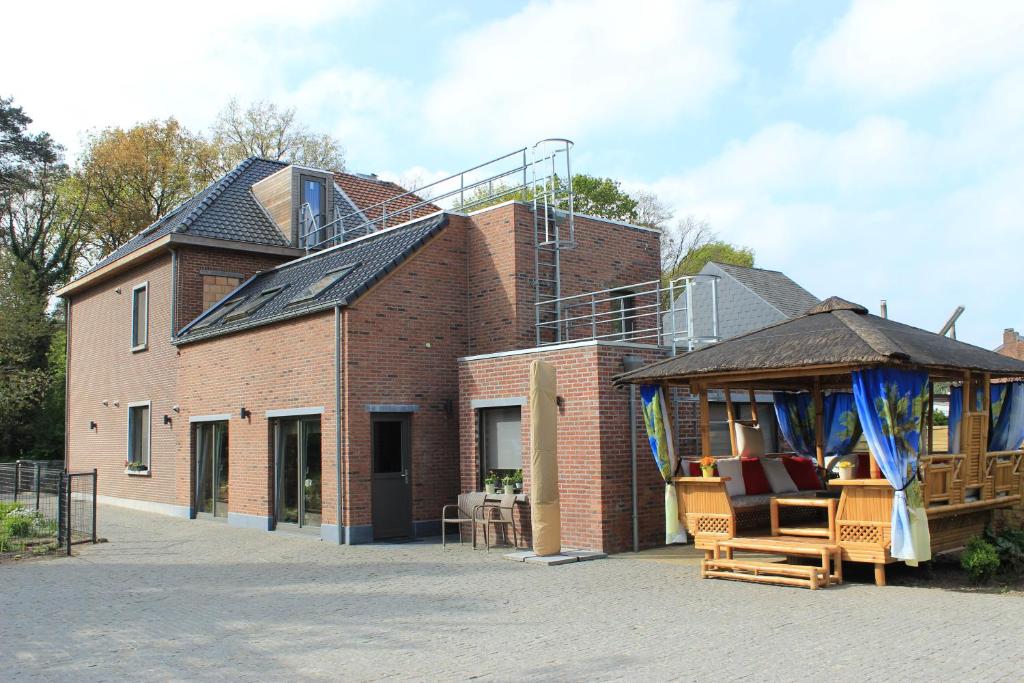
(774, 287)
(225, 210)
(833, 333)
(370, 258)
(368, 192)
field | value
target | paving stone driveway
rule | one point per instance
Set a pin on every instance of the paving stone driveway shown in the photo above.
(170, 599)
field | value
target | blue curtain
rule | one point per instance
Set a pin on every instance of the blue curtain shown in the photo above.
(795, 413)
(1006, 417)
(659, 435)
(890, 404)
(842, 426)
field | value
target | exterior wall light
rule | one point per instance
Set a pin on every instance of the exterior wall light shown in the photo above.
(92, 425)
(245, 414)
(167, 419)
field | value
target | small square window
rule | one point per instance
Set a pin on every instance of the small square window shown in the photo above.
(140, 316)
(255, 304)
(137, 461)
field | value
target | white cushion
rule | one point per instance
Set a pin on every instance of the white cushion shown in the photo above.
(778, 477)
(732, 468)
(749, 440)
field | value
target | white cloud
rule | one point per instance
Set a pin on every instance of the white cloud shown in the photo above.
(119, 63)
(569, 67)
(899, 48)
(880, 210)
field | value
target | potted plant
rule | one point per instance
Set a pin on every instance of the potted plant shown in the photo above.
(490, 482)
(509, 482)
(518, 476)
(846, 470)
(707, 466)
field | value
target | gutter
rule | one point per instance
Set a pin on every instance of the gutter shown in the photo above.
(337, 423)
(67, 378)
(174, 290)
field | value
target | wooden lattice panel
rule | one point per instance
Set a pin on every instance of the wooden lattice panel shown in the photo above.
(709, 524)
(860, 533)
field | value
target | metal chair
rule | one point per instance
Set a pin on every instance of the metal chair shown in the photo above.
(497, 511)
(465, 512)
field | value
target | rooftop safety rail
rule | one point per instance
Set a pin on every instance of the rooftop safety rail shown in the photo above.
(681, 313)
(526, 174)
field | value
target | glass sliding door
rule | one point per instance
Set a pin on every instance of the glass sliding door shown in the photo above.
(298, 471)
(211, 466)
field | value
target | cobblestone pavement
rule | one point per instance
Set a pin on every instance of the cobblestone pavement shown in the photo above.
(171, 599)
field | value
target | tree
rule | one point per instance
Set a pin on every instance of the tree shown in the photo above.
(264, 130)
(137, 175)
(693, 243)
(25, 333)
(19, 150)
(602, 197)
(651, 212)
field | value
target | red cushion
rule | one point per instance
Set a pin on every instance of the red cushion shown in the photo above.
(801, 471)
(754, 477)
(863, 466)
(695, 469)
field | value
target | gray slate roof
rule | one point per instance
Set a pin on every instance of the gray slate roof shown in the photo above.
(833, 333)
(375, 256)
(774, 287)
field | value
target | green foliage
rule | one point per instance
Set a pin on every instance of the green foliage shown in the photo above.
(1009, 543)
(717, 251)
(602, 197)
(940, 419)
(20, 150)
(980, 559)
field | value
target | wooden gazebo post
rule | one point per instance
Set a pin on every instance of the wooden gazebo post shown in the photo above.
(819, 423)
(705, 421)
(730, 417)
(753, 408)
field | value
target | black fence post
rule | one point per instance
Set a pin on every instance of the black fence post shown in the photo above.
(17, 479)
(37, 487)
(70, 479)
(94, 475)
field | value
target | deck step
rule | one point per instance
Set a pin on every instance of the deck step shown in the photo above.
(721, 563)
(804, 576)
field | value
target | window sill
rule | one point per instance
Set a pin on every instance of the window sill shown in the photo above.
(137, 473)
(136, 349)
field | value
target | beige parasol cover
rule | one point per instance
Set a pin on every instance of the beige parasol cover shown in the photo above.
(544, 506)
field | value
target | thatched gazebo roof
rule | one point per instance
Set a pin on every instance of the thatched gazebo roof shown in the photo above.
(831, 337)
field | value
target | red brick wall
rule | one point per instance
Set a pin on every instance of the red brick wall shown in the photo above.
(192, 261)
(102, 367)
(502, 273)
(402, 342)
(286, 365)
(594, 451)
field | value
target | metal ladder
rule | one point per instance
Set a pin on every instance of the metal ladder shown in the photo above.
(553, 231)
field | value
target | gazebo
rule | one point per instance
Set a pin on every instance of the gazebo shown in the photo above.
(835, 373)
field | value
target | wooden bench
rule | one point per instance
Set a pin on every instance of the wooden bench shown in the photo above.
(805, 576)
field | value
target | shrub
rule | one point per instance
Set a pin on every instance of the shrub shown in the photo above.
(8, 508)
(980, 559)
(1009, 543)
(18, 523)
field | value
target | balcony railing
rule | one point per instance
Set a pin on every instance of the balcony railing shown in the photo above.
(681, 313)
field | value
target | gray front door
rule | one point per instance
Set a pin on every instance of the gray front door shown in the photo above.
(392, 475)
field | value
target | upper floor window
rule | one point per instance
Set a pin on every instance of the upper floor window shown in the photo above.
(140, 316)
(624, 312)
(312, 210)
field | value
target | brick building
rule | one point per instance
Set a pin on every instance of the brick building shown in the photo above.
(1013, 344)
(295, 348)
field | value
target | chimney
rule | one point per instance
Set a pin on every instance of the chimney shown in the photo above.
(1010, 336)
(884, 309)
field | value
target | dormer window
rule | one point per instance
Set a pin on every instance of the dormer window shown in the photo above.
(312, 211)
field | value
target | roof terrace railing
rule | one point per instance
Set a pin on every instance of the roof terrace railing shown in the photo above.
(681, 313)
(516, 175)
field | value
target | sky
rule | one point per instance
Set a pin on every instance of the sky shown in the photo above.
(871, 149)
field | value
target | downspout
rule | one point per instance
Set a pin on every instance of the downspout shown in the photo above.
(632, 464)
(337, 422)
(174, 291)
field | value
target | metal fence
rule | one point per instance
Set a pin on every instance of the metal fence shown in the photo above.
(44, 509)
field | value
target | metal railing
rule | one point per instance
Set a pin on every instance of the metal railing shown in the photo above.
(681, 313)
(45, 510)
(522, 174)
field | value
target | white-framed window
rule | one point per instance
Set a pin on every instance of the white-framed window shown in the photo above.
(140, 316)
(139, 438)
(501, 441)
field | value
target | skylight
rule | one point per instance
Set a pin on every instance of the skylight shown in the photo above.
(218, 315)
(317, 288)
(258, 302)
